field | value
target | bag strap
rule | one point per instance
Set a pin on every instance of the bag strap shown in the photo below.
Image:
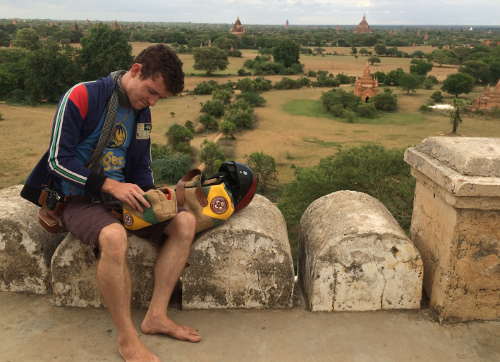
(180, 189)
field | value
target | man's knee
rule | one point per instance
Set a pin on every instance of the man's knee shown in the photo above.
(183, 225)
(113, 241)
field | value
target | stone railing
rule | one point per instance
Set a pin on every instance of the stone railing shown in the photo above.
(352, 254)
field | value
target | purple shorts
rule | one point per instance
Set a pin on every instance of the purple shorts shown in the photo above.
(85, 220)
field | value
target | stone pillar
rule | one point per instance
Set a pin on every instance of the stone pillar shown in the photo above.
(74, 273)
(353, 256)
(456, 224)
(244, 263)
(25, 247)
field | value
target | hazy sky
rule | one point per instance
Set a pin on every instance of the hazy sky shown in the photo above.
(305, 12)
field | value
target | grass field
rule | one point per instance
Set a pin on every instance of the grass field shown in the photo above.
(292, 127)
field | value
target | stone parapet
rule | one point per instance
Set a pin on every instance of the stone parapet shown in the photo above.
(353, 256)
(26, 248)
(74, 269)
(244, 263)
(456, 224)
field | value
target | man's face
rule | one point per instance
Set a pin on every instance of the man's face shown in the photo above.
(145, 92)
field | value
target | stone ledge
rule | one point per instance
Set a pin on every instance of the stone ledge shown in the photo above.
(353, 256)
(26, 248)
(244, 263)
(74, 269)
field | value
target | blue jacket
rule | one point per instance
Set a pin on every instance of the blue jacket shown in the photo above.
(77, 116)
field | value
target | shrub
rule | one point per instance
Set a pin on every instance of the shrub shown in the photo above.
(372, 169)
(343, 78)
(437, 96)
(385, 101)
(206, 87)
(425, 108)
(227, 128)
(287, 83)
(209, 122)
(335, 97)
(210, 153)
(264, 169)
(190, 126)
(214, 108)
(252, 98)
(241, 118)
(322, 81)
(367, 110)
(349, 115)
(223, 95)
(177, 135)
(242, 72)
(170, 168)
(311, 73)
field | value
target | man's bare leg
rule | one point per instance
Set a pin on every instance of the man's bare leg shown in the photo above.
(113, 278)
(170, 262)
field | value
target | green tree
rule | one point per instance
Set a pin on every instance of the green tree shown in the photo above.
(28, 39)
(264, 169)
(4, 39)
(227, 128)
(178, 136)
(458, 83)
(380, 49)
(224, 43)
(7, 83)
(287, 53)
(210, 59)
(443, 56)
(103, 51)
(50, 71)
(455, 118)
(478, 69)
(374, 59)
(213, 108)
(421, 67)
(410, 82)
(210, 153)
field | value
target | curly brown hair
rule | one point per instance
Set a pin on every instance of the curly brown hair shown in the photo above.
(161, 59)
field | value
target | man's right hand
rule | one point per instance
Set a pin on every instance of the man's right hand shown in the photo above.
(126, 192)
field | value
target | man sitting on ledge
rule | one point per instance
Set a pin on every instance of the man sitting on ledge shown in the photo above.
(96, 186)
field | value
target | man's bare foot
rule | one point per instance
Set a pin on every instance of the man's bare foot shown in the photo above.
(134, 351)
(164, 325)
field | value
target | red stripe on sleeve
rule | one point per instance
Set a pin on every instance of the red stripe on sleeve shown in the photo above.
(80, 98)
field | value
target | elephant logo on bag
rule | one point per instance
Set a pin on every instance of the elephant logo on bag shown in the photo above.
(219, 205)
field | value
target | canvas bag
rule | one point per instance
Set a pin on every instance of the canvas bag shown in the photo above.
(163, 206)
(210, 201)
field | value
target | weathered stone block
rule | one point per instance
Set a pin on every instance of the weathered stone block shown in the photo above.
(25, 247)
(244, 263)
(456, 224)
(353, 256)
(74, 273)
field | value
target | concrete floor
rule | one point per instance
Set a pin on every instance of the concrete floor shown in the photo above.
(32, 329)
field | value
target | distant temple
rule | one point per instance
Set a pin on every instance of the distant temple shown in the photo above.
(488, 99)
(238, 29)
(363, 27)
(366, 87)
(287, 25)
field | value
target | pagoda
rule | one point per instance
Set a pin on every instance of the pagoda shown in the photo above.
(366, 87)
(238, 29)
(488, 99)
(363, 27)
